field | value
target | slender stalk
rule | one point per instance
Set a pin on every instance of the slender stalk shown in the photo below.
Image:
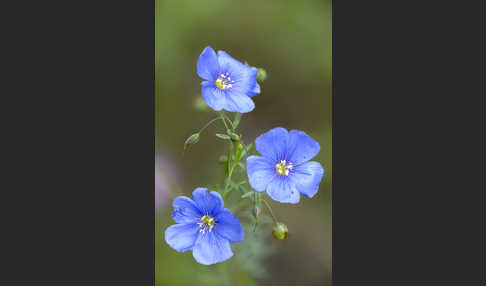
(254, 207)
(209, 123)
(246, 149)
(222, 116)
(231, 122)
(228, 181)
(271, 212)
(230, 169)
(230, 154)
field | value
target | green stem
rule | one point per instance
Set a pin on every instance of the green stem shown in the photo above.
(222, 116)
(230, 154)
(231, 122)
(209, 123)
(271, 212)
(230, 169)
(246, 149)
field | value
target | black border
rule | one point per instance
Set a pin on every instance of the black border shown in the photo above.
(83, 144)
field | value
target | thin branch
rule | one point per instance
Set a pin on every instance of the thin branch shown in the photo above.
(271, 212)
(209, 123)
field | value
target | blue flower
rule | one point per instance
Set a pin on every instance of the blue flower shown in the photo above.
(284, 171)
(204, 226)
(229, 83)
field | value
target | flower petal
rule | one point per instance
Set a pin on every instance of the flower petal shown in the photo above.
(213, 96)
(307, 178)
(185, 210)
(301, 147)
(207, 64)
(182, 237)
(244, 76)
(260, 172)
(283, 190)
(273, 144)
(207, 202)
(229, 227)
(211, 248)
(238, 102)
(256, 90)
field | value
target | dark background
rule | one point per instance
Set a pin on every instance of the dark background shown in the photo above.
(292, 41)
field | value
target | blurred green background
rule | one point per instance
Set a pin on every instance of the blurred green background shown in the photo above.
(292, 41)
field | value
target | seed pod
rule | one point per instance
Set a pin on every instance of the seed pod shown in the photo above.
(280, 231)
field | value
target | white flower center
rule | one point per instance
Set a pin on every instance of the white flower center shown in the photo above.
(284, 167)
(224, 81)
(206, 224)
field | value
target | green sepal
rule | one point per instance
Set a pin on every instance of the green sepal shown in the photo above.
(223, 136)
(247, 194)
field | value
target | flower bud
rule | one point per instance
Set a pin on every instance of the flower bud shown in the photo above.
(280, 231)
(234, 136)
(239, 152)
(193, 139)
(255, 212)
(261, 75)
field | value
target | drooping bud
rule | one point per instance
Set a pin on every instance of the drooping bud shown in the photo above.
(261, 75)
(193, 139)
(255, 212)
(280, 231)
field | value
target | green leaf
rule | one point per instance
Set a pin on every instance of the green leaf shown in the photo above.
(236, 121)
(223, 136)
(247, 194)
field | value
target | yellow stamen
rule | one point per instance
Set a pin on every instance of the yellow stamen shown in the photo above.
(283, 168)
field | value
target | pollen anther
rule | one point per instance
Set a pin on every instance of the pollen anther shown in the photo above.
(206, 224)
(224, 81)
(284, 168)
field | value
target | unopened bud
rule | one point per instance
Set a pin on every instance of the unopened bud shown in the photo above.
(255, 212)
(234, 137)
(239, 152)
(261, 75)
(280, 231)
(193, 139)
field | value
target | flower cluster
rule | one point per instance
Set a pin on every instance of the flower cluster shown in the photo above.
(284, 170)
